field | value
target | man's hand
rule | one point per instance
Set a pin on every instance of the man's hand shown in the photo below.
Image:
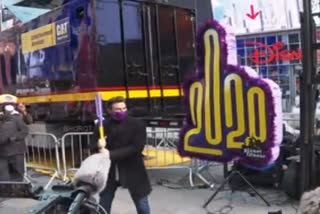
(104, 151)
(102, 143)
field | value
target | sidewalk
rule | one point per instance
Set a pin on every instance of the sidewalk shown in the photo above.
(170, 201)
(164, 200)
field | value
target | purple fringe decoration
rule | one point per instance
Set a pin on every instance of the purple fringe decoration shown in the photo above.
(270, 108)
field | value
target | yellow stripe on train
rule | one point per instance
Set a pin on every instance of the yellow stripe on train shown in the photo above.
(106, 95)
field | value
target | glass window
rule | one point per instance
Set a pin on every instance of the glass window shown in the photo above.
(108, 23)
(132, 21)
(293, 38)
(284, 70)
(274, 73)
(260, 39)
(263, 71)
(185, 39)
(109, 56)
(240, 43)
(249, 61)
(250, 40)
(240, 52)
(294, 50)
(134, 44)
(284, 80)
(241, 60)
(271, 40)
(250, 49)
(167, 40)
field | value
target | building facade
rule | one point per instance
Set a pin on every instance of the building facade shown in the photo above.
(274, 55)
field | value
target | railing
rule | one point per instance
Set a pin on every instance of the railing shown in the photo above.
(160, 151)
(75, 148)
(43, 154)
(62, 158)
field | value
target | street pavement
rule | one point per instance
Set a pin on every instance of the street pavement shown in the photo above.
(172, 194)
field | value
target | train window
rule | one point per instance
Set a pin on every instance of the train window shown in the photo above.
(109, 51)
(132, 21)
(185, 41)
(132, 27)
(167, 36)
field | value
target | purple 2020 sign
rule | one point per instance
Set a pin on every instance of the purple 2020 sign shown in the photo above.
(232, 113)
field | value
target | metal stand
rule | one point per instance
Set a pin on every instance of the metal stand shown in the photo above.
(167, 141)
(232, 173)
(196, 169)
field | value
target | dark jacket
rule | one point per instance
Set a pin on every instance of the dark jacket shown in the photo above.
(126, 141)
(13, 132)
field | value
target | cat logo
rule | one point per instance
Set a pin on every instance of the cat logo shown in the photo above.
(62, 31)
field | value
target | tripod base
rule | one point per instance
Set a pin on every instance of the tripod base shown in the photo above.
(232, 173)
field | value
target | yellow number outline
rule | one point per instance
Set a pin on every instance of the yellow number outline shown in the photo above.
(239, 105)
(196, 113)
(261, 113)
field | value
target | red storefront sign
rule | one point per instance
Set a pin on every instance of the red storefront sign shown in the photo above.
(265, 54)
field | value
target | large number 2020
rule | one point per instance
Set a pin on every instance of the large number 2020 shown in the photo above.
(211, 121)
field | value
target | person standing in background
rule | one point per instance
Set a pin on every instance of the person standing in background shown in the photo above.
(13, 132)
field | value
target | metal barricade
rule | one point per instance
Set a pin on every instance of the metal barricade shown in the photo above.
(160, 152)
(162, 145)
(161, 149)
(75, 148)
(43, 154)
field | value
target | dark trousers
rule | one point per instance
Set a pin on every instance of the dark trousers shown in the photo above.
(106, 198)
(12, 168)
